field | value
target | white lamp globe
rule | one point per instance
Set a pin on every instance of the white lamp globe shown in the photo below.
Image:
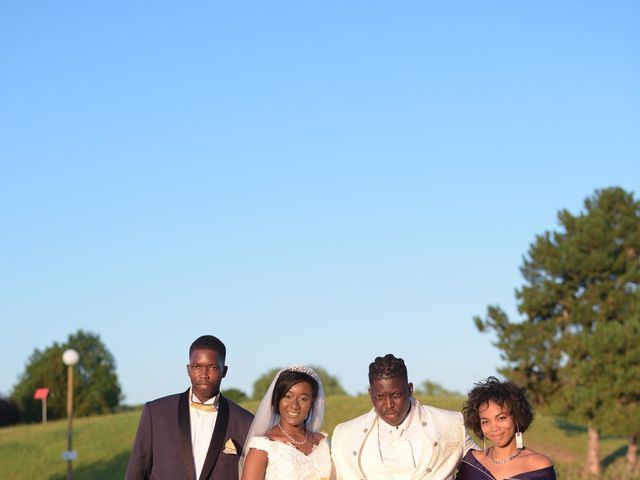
(70, 357)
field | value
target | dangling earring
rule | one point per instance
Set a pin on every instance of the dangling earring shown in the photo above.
(484, 444)
(519, 440)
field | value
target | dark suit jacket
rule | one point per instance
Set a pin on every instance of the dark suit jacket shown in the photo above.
(162, 449)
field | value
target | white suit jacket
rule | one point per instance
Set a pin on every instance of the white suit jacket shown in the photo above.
(442, 429)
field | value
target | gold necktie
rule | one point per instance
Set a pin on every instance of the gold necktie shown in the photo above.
(203, 407)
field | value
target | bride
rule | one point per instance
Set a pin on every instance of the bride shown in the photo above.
(285, 442)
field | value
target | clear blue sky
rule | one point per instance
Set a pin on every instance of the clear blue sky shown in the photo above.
(318, 182)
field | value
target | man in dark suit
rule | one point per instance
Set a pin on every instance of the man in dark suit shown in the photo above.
(195, 435)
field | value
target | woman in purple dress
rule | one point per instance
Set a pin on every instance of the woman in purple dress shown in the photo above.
(500, 412)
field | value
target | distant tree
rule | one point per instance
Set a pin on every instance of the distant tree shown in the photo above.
(577, 349)
(261, 385)
(96, 388)
(235, 394)
(330, 384)
(434, 389)
(9, 414)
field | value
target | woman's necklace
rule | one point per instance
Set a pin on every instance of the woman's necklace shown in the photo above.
(506, 460)
(306, 436)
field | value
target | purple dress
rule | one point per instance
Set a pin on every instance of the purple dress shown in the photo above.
(472, 469)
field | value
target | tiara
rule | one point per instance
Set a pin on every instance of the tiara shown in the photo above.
(303, 369)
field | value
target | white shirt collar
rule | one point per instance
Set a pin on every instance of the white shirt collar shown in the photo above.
(212, 401)
(405, 423)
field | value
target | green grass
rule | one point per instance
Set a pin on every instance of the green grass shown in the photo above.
(35, 451)
(104, 443)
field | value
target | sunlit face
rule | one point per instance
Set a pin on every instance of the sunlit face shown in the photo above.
(497, 423)
(206, 370)
(295, 405)
(391, 399)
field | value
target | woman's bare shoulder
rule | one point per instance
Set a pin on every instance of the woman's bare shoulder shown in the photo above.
(537, 460)
(317, 437)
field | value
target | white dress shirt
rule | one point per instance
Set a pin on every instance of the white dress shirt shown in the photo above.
(401, 447)
(202, 425)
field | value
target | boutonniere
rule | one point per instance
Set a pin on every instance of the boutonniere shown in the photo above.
(230, 448)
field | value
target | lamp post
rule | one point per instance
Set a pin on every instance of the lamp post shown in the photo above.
(70, 357)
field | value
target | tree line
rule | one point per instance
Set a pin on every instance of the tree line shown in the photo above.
(96, 386)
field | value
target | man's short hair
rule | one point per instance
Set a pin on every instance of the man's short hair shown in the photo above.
(387, 367)
(209, 342)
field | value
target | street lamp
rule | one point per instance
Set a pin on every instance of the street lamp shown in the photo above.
(70, 357)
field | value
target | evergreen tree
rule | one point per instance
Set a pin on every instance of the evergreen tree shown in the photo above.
(96, 388)
(578, 344)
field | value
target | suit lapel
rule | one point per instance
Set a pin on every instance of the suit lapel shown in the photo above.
(217, 439)
(184, 426)
(370, 454)
(363, 436)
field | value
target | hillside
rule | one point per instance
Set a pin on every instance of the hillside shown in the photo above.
(104, 443)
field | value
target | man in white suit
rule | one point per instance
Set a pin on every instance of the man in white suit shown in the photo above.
(399, 439)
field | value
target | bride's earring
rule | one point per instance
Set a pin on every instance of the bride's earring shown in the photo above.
(519, 440)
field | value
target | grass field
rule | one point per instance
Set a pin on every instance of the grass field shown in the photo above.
(34, 452)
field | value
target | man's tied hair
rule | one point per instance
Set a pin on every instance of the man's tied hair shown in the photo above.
(387, 367)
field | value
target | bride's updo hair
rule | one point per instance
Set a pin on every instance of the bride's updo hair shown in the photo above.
(289, 378)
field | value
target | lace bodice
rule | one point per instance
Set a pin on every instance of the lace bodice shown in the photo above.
(288, 463)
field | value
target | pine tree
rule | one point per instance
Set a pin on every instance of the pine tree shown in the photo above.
(577, 348)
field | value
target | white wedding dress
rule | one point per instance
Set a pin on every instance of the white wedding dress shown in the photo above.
(288, 463)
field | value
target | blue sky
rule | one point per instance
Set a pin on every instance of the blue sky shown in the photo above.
(313, 182)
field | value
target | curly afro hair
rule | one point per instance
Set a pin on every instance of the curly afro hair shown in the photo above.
(505, 394)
